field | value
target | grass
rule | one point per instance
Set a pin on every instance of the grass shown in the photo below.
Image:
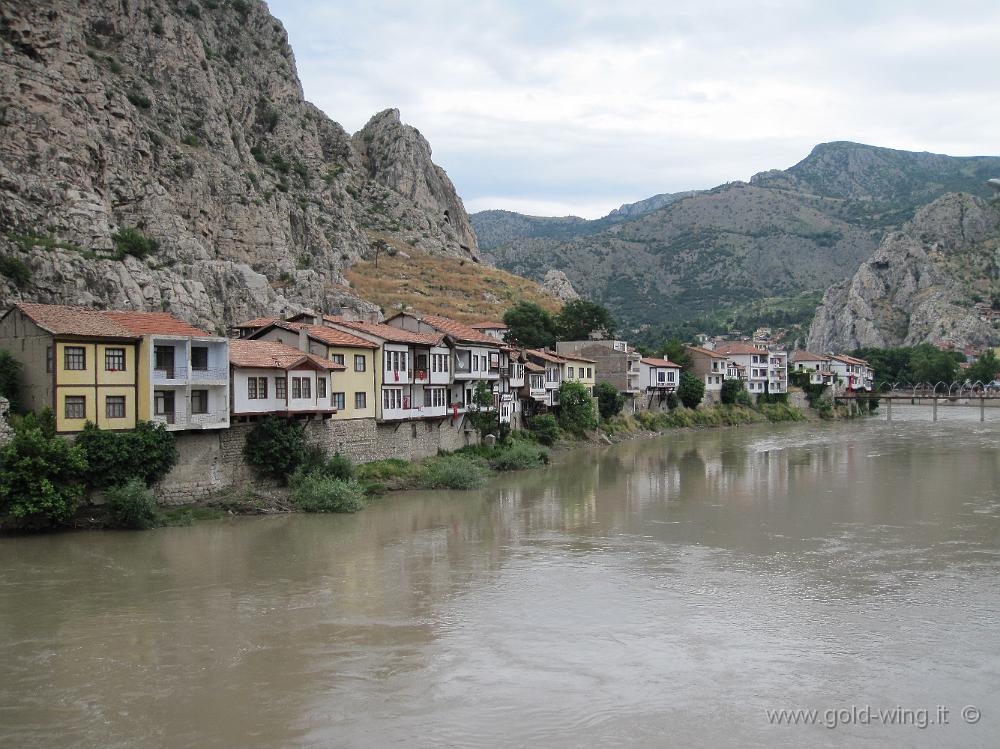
(187, 514)
(714, 416)
(437, 284)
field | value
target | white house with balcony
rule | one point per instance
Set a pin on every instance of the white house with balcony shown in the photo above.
(817, 366)
(659, 375)
(761, 370)
(183, 372)
(272, 378)
(853, 373)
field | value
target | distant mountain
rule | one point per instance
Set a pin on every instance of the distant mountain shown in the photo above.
(786, 232)
(650, 204)
(922, 285)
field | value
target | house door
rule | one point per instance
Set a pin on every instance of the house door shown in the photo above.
(163, 405)
(163, 360)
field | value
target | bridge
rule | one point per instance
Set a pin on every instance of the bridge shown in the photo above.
(949, 394)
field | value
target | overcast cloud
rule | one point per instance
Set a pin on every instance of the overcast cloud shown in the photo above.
(553, 107)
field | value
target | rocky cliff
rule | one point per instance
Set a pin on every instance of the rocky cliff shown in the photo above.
(922, 284)
(135, 125)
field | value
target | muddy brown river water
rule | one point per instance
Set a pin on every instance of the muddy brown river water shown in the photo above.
(679, 591)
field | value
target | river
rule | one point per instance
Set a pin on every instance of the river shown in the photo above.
(663, 592)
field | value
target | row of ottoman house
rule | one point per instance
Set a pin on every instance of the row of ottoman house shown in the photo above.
(115, 367)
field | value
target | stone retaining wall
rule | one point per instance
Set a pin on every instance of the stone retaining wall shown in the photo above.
(6, 431)
(213, 461)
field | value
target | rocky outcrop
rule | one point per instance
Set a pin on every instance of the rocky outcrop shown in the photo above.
(921, 284)
(186, 122)
(558, 285)
(650, 204)
(6, 431)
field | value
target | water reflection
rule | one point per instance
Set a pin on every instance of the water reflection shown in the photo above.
(676, 586)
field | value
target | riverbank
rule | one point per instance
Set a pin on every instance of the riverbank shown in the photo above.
(351, 488)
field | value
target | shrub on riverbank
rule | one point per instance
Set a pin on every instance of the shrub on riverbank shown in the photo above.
(315, 492)
(545, 428)
(115, 458)
(132, 506)
(453, 472)
(275, 447)
(716, 416)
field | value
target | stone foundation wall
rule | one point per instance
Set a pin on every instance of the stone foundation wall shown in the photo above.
(6, 431)
(213, 461)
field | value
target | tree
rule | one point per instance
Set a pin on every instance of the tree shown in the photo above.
(691, 390)
(41, 476)
(482, 414)
(576, 408)
(609, 401)
(929, 364)
(378, 247)
(674, 350)
(146, 453)
(530, 326)
(579, 318)
(986, 369)
(275, 447)
(732, 391)
(10, 380)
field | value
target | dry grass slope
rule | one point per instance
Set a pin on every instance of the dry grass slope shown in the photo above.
(442, 285)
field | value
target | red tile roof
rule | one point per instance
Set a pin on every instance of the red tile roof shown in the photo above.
(849, 359)
(659, 362)
(738, 347)
(808, 356)
(257, 322)
(60, 319)
(80, 321)
(705, 352)
(390, 333)
(273, 355)
(329, 336)
(154, 323)
(489, 326)
(457, 330)
(532, 367)
(545, 355)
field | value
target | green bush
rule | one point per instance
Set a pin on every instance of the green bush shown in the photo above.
(576, 408)
(545, 428)
(16, 270)
(314, 492)
(132, 506)
(275, 447)
(146, 453)
(672, 401)
(10, 380)
(382, 470)
(41, 476)
(609, 401)
(453, 472)
(131, 241)
(517, 456)
(336, 467)
(139, 100)
(772, 398)
(691, 390)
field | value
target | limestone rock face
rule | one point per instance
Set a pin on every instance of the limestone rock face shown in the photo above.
(399, 157)
(187, 123)
(921, 284)
(558, 285)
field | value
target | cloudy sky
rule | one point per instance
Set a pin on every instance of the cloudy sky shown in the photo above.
(554, 107)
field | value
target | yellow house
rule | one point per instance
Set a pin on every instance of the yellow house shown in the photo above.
(576, 368)
(354, 388)
(79, 362)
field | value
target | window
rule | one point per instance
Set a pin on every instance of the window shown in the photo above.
(571, 373)
(75, 358)
(359, 362)
(435, 397)
(199, 399)
(76, 406)
(392, 398)
(256, 388)
(321, 386)
(339, 401)
(280, 388)
(163, 404)
(670, 375)
(590, 372)
(114, 406)
(296, 387)
(339, 358)
(361, 400)
(199, 358)
(306, 387)
(661, 376)
(114, 359)
(50, 358)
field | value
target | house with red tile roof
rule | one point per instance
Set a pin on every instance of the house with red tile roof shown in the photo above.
(709, 366)
(114, 367)
(658, 377)
(267, 377)
(762, 370)
(817, 366)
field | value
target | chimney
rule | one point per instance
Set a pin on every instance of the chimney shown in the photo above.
(303, 341)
